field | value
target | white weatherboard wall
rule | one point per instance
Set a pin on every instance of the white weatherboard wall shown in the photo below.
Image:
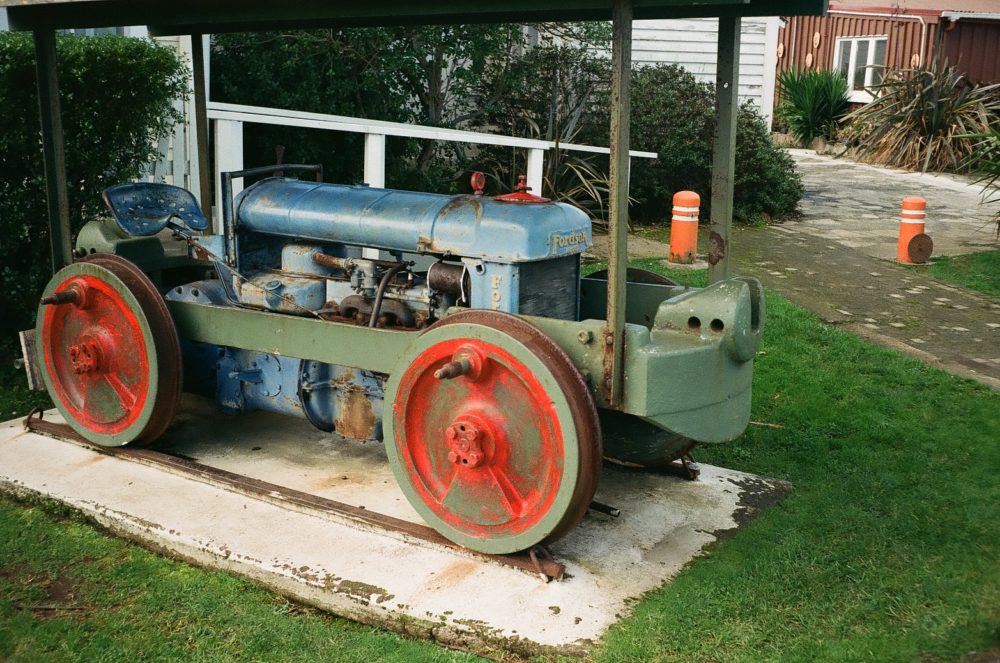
(691, 43)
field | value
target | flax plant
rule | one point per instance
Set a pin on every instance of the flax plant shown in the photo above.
(985, 159)
(924, 119)
(812, 103)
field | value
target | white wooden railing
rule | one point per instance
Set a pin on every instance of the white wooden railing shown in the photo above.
(228, 120)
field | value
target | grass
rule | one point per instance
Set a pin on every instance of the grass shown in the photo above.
(70, 593)
(886, 550)
(978, 271)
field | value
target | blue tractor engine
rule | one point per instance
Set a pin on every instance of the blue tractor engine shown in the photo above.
(303, 248)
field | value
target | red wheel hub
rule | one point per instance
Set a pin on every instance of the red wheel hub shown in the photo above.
(466, 439)
(95, 351)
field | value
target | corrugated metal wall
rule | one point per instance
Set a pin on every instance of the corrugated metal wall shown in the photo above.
(797, 38)
(974, 46)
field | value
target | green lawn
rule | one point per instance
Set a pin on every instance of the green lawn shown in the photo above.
(887, 549)
(979, 271)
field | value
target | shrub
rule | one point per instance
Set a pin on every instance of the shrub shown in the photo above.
(117, 96)
(812, 103)
(340, 72)
(924, 119)
(674, 115)
(985, 159)
(556, 92)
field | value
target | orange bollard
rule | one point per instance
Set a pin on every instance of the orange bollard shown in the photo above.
(684, 227)
(911, 224)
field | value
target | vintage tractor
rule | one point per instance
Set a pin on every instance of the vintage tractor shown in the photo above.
(457, 329)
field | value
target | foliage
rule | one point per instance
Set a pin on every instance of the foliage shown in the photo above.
(674, 115)
(985, 159)
(446, 76)
(545, 81)
(885, 550)
(339, 72)
(923, 119)
(117, 97)
(558, 92)
(812, 102)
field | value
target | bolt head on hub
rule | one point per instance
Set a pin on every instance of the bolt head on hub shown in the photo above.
(463, 438)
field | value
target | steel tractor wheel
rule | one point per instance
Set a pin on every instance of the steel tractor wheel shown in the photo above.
(493, 434)
(109, 351)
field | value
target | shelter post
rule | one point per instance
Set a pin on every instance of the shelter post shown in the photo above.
(724, 158)
(201, 124)
(621, 104)
(53, 148)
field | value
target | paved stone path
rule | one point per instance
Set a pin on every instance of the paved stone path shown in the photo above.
(838, 261)
(896, 306)
(857, 206)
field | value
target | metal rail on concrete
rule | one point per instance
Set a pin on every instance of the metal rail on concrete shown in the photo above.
(536, 561)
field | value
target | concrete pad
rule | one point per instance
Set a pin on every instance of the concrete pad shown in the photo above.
(368, 574)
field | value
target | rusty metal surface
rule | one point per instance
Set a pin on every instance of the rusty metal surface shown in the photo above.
(920, 248)
(357, 418)
(452, 278)
(716, 248)
(550, 568)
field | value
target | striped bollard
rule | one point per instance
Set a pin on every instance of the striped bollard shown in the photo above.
(684, 227)
(914, 246)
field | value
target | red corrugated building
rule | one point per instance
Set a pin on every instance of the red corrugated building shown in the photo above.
(906, 33)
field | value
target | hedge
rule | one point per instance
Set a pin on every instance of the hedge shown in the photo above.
(117, 96)
(674, 115)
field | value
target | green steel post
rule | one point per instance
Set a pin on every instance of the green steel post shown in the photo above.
(727, 82)
(201, 125)
(53, 149)
(621, 103)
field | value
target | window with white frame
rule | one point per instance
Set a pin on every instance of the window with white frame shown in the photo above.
(860, 60)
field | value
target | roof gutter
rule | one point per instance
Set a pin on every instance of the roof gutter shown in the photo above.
(923, 25)
(982, 16)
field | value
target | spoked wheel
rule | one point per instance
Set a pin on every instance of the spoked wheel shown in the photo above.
(493, 435)
(109, 351)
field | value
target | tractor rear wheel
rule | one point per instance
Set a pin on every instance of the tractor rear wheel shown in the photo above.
(109, 351)
(493, 434)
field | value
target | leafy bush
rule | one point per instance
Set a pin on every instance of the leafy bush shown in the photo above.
(556, 92)
(985, 159)
(478, 77)
(812, 102)
(340, 72)
(674, 115)
(117, 96)
(924, 119)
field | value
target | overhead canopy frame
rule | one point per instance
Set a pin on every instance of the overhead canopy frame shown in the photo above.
(198, 17)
